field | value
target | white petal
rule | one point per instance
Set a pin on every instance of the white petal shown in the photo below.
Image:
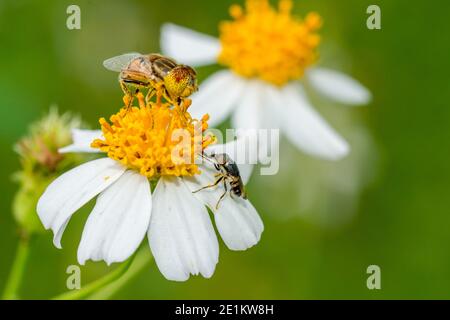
(181, 235)
(252, 113)
(339, 86)
(236, 219)
(72, 190)
(248, 111)
(82, 140)
(274, 102)
(246, 170)
(217, 96)
(188, 46)
(119, 221)
(305, 128)
(238, 223)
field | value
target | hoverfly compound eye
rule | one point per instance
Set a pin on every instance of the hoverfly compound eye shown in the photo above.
(191, 70)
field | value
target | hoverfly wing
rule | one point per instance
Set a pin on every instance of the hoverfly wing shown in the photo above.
(118, 63)
(163, 65)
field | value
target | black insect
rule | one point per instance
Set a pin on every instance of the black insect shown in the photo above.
(228, 171)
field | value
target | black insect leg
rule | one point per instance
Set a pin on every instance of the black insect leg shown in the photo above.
(223, 194)
(210, 185)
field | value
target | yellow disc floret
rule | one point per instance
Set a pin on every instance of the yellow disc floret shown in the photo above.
(269, 44)
(155, 139)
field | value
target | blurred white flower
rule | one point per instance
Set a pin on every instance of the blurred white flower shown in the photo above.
(326, 194)
(267, 53)
(176, 221)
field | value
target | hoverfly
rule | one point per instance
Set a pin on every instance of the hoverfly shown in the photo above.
(154, 73)
(228, 171)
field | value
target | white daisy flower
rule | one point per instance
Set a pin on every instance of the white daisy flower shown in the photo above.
(267, 53)
(139, 150)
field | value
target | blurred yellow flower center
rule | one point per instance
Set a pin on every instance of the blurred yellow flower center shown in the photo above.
(155, 139)
(269, 44)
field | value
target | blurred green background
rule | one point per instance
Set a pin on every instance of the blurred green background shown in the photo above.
(325, 223)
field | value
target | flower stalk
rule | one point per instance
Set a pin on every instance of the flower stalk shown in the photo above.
(97, 284)
(18, 269)
(141, 261)
(40, 164)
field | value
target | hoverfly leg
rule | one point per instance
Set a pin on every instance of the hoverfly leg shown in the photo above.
(167, 97)
(131, 99)
(150, 93)
(158, 90)
(130, 102)
(128, 95)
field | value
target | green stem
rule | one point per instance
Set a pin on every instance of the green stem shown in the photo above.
(17, 269)
(97, 284)
(141, 261)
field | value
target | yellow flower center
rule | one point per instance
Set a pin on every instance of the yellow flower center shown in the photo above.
(267, 43)
(155, 139)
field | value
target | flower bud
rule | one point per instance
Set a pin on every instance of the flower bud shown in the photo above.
(41, 163)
